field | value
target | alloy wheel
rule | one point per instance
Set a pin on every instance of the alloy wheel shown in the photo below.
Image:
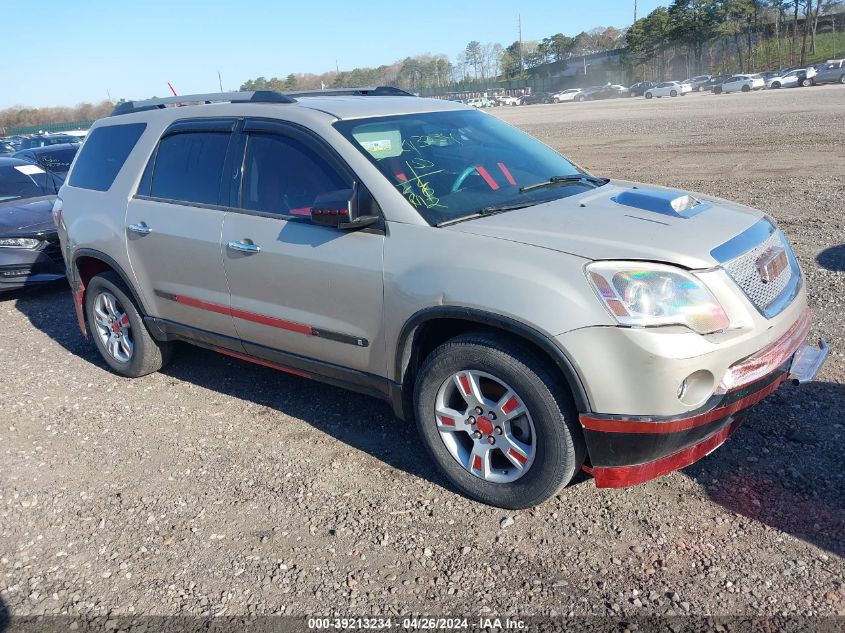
(113, 327)
(485, 426)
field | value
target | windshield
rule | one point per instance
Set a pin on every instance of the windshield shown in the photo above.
(449, 165)
(18, 182)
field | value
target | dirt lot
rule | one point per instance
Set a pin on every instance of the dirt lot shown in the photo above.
(219, 487)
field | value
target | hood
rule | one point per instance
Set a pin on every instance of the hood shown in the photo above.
(624, 220)
(32, 217)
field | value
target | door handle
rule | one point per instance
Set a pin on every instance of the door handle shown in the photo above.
(244, 247)
(141, 228)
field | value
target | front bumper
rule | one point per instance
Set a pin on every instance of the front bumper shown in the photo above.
(21, 267)
(628, 450)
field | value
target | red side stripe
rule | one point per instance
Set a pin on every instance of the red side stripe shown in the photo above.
(632, 426)
(487, 177)
(265, 363)
(622, 476)
(507, 173)
(243, 314)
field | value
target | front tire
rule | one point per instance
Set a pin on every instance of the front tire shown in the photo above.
(674, 93)
(806, 83)
(717, 90)
(746, 88)
(118, 329)
(523, 446)
(648, 95)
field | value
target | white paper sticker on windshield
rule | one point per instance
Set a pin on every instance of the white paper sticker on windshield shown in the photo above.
(377, 146)
(29, 170)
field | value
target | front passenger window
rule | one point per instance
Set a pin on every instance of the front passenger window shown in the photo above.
(284, 176)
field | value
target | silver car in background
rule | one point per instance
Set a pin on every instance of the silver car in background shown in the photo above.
(533, 319)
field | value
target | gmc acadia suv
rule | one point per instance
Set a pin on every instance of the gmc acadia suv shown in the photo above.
(534, 319)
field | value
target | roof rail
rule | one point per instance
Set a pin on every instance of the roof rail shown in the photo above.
(378, 91)
(257, 96)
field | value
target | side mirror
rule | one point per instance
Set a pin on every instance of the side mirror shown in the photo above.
(341, 209)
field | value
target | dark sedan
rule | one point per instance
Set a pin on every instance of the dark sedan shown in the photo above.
(30, 253)
(639, 89)
(609, 91)
(54, 158)
(537, 97)
(716, 80)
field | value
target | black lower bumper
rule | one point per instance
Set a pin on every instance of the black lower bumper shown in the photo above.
(628, 450)
(21, 267)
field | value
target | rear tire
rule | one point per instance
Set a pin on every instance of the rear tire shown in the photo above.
(842, 79)
(134, 353)
(776, 85)
(746, 88)
(554, 440)
(806, 83)
(648, 95)
(717, 90)
(673, 93)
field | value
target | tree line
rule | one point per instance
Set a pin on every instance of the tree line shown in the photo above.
(21, 116)
(728, 35)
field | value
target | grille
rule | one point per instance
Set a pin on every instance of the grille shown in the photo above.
(743, 270)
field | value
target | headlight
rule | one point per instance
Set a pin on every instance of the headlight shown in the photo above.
(18, 242)
(643, 294)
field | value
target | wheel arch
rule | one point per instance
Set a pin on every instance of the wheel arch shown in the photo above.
(85, 264)
(430, 327)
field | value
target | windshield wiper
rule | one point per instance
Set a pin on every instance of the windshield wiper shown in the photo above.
(481, 213)
(563, 180)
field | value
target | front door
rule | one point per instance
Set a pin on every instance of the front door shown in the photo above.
(305, 290)
(173, 227)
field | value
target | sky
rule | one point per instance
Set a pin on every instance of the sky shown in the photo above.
(70, 52)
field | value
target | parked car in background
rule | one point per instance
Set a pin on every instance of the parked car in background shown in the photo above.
(713, 82)
(668, 89)
(507, 100)
(537, 97)
(639, 89)
(29, 245)
(566, 95)
(6, 149)
(608, 91)
(696, 83)
(55, 159)
(42, 140)
(479, 102)
(740, 83)
(832, 71)
(788, 79)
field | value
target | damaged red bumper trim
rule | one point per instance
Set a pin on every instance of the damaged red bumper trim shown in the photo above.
(623, 476)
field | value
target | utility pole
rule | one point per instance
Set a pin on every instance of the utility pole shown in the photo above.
(635, 11)
(519, 23)
(220, 81)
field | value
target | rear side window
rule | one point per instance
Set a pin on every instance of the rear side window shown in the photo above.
(189, 167)
(103, 155)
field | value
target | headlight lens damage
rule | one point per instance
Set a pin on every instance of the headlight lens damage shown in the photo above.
(18, 242)
(644, 294)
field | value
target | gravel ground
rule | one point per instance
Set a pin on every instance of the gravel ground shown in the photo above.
(219, 487)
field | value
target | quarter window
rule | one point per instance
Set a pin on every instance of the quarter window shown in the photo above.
(283, 175)
(189, 167)
(103, 154)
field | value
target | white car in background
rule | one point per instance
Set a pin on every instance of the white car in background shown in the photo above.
(668, 89)
(740, 83)
(566, 95)
(794, 77)
(507, 100)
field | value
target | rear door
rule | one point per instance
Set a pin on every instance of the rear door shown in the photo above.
(174, 223)
(300, 289)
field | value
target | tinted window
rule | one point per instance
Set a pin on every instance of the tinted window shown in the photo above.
(57, 160)
(189, 166)
(284, 176)
(103, 154)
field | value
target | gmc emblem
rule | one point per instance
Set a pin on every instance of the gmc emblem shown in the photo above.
(772, 263)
